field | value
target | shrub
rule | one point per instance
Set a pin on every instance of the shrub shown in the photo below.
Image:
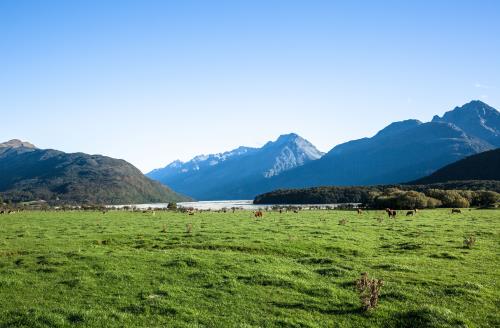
(172, 206)
(469, 241)
(449, 198)
(399, 199)
(433, 202)
(369, 291)
(485, 198)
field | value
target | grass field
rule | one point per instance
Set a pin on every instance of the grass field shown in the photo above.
(126, 269)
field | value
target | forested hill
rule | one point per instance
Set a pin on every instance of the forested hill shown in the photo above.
(28, 173)
(483, 166)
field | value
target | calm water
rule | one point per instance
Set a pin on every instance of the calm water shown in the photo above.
(220, 204)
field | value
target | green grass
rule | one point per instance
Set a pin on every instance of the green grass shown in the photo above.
(86, 269)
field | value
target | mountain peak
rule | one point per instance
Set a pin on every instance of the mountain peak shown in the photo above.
(16, 143)
(475, 104)
(398, 127)
(472, 107)
(475, 118)
(289, 136)
(231, 175)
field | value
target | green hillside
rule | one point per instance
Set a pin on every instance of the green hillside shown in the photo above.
(28, 173)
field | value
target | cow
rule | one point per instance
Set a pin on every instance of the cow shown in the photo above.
(410, 213)
(391, 213)
(360, 211)
(456, 210)
(258, 214)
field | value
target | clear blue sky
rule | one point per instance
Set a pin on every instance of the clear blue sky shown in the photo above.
(153, 81)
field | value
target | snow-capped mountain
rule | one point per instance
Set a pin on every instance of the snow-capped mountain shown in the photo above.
(203, 176)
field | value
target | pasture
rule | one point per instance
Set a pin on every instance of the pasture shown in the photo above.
(126, 269)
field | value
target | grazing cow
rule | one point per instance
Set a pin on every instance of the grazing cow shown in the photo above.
(258, 214)
(456, 210)
(2, 212)
(391, 213)
(410, 213)
(295, 211)
(360, 211)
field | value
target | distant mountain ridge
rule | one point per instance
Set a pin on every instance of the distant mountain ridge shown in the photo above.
(225, 175)
(197, 163)
(483, 166)
(29, 173)
(400, 152)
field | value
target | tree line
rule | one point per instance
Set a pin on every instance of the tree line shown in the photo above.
(394, 196)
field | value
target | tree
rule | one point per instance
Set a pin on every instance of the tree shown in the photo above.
(487, 198)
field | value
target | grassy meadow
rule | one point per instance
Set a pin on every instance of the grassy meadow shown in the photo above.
(126, 269)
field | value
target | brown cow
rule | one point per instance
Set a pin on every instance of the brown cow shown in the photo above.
(360, 211)
(456, 210)
(258, 214)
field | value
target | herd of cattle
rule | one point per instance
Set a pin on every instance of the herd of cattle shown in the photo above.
(390, 212)
(258, 214)
(9, 211)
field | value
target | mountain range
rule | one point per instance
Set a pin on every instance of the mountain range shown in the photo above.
(402, 151)
(28, 173)
(226, 175)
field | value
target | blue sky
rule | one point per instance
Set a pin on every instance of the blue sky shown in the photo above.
(153, 81)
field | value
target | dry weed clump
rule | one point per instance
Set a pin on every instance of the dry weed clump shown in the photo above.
(369, 291)
(469, 241)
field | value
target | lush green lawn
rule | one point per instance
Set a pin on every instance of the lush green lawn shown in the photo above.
(285, 270)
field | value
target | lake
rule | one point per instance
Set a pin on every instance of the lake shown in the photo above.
(220, 204)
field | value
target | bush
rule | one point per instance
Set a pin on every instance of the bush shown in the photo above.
(485, 198)
(399, 199)
(469, 241)
(449, 198)
(369, 291)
